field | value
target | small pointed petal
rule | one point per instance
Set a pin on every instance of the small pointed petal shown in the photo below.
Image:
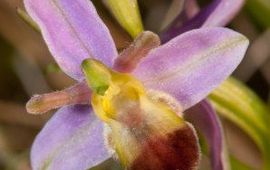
(73, 31)
(138, 49)
(72, 139)
(77, 94)
(204, 118)
(218, 13)
(191, 65)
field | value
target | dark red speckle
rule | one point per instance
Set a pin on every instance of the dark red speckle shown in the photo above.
(178, 151)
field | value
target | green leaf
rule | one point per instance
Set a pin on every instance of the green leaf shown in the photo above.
(260, 10)
(127, 14)
(234, 101)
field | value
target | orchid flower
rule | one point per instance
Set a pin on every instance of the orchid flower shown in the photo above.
(128, 106)
(216, 13)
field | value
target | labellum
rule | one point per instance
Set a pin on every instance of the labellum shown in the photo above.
(146, 133)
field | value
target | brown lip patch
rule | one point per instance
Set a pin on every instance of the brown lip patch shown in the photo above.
(178, 151)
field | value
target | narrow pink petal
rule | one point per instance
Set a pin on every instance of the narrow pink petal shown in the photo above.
(192, 64)
(205, 120)
(73, 31)
(72, 139)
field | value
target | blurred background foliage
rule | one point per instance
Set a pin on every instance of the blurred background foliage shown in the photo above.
(27, 68)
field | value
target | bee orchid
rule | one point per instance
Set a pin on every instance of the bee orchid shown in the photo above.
(130, 105)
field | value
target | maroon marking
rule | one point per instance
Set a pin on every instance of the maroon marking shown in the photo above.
(179, 151)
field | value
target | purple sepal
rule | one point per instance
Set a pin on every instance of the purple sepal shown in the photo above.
(191, 65)
(73, 31)
(217, 13)
(72, 139)
(205, 120)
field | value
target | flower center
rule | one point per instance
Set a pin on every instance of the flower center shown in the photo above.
(140, 122)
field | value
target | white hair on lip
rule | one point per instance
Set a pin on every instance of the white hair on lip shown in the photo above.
(163, 97)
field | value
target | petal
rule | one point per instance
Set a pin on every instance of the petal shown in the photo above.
(204, 118)
(218, 13)
(191, 65)
(73, 31)
(72, 139)
(76, 94)
(138, 49)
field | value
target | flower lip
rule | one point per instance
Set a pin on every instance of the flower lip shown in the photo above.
(143, 123)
